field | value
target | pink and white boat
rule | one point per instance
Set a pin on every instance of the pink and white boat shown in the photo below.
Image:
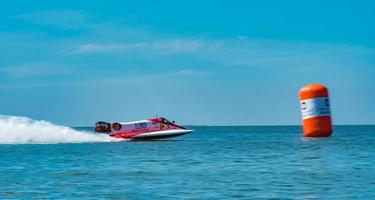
(155, 128)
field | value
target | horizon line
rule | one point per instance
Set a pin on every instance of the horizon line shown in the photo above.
(253, 125)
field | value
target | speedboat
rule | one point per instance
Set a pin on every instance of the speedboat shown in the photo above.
(154, 128)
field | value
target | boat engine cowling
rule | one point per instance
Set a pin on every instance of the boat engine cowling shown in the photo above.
(102, 127)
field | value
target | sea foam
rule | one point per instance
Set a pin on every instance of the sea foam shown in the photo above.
(23, 130)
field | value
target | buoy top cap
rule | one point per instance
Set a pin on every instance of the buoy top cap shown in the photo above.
(313, 91)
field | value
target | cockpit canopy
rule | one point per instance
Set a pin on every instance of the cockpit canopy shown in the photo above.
(161, 120)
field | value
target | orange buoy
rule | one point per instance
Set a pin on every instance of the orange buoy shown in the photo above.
(315, 109)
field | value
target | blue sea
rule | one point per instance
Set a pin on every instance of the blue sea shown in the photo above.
(228, 162)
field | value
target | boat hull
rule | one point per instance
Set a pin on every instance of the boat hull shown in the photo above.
(154, 135)
(161, 134)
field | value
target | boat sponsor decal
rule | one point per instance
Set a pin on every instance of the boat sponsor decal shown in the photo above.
(140, 126)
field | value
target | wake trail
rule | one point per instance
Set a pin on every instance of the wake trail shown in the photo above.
(23, 130)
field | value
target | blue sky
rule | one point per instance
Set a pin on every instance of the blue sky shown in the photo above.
(203, 63)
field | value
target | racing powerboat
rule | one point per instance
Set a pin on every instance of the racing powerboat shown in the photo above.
(155, 128)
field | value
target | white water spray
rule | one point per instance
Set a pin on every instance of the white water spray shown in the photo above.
(23, 130)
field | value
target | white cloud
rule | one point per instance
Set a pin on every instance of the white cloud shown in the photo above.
(98, 48)
(177, 45)
(166, 46)
(35, 70)
(273, 53)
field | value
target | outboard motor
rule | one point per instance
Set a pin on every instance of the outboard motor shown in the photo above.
(102, 127)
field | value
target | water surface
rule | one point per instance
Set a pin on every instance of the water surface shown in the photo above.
(212, 163)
